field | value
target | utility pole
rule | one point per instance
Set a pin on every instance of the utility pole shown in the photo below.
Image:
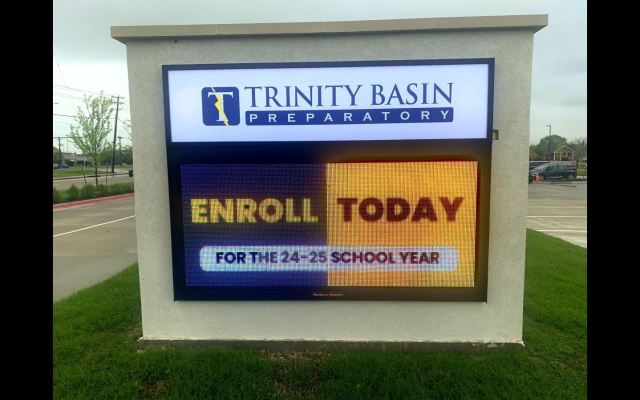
(549, 142)
(115, 131)
(119, 149)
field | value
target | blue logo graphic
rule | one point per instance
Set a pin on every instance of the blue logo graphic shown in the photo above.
(220, 106)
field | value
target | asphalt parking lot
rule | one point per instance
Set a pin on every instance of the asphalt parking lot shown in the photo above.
(559, 209)
(92, 242)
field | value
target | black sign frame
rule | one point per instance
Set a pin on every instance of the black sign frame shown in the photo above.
(179, 153)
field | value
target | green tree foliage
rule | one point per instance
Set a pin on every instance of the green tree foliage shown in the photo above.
(127, 151)
(90, 135)
(106, 155)
(543, 147)
(127, 155)
(533, 152)
(579, 146)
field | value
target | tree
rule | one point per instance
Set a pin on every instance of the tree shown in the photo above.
(106, 155)
(128, 149)
(533, 153)
(127, 155)
(94, 125)
(543, 146)
(126, 125)
(579, 146)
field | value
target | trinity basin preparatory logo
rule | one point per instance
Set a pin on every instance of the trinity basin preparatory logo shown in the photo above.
(220, 106)
(422, 102)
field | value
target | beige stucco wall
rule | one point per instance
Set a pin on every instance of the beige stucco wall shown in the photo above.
(497, 320)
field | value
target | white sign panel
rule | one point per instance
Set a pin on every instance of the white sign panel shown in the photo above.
(329, 103)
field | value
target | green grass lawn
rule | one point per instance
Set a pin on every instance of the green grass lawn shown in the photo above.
(96, 355)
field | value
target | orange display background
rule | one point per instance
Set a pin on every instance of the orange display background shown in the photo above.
(411, 181)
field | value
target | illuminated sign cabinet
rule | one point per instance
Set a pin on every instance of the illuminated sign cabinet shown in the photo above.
(330, 181)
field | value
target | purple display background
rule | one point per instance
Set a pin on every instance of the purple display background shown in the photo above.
(255, 181)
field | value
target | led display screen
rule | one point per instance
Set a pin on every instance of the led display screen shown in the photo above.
(394, 209)
(341, 224)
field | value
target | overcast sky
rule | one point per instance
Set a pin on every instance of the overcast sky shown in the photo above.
(86, 60)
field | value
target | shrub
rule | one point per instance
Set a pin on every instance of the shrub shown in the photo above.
(56, 196)
(73, 193)
(116, 188)
(121, 188)
(88, 191)
(103, 191)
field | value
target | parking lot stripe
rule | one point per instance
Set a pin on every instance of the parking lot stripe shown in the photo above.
(94, 226)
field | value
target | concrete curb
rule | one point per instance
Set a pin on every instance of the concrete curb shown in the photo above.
(70, 204)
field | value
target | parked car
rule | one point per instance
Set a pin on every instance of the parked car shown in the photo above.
(60, 165)
(533, 164)
(552, 171)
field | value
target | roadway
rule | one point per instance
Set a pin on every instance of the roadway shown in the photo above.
(91, 243)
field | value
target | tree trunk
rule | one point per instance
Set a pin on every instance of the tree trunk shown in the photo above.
(96, 169)
(83, 174)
